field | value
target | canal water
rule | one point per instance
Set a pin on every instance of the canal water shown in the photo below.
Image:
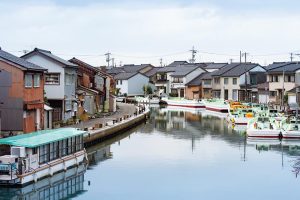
(178, 155)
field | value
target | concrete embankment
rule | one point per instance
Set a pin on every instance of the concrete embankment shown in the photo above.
(113, 128)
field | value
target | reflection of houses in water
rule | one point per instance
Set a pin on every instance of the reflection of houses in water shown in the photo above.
(167, 120)
(99, 155)
(64, 185)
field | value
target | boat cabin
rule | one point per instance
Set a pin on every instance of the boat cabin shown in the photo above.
(39, 154)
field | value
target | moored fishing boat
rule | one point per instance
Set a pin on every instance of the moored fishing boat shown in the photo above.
(217, 105)
(291, 128)
(240, 116)
(40, 154)
(263, 127)
(147, 100)
(181, 102)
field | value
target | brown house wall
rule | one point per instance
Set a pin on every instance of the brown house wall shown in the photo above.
(18, 99)
(190, 90)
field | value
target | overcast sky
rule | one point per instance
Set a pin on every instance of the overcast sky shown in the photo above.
(145, 31)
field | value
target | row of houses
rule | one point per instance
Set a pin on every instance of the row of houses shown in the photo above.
(39, 90)
(249, 82)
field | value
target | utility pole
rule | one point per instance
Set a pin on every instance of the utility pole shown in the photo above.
(230, 60)
(193, 55)
(240, 56)
(246, 81)
(161, 62)
(291, 56)
(108, 59)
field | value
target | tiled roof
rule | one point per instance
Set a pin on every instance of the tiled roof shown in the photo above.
(176, 63)
(239, 70)
(215, 65)
(291, 67)
(135, 68)
(51, 56)
(20, 61)
(152, 71)
(115, 70)
(183, 70)
(276, 65)
(224, 69)
(125, 75)
(197, 81)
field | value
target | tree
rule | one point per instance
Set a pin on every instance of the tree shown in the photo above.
(147, 89)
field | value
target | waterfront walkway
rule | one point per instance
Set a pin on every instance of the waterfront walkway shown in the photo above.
(124, 109)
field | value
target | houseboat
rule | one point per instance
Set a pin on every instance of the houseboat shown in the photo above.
(181, 102)
(41, 154)
(216, 105)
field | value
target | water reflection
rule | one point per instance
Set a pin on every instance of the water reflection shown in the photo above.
(63, 185)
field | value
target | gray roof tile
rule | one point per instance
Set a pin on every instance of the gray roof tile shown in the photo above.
(20, 61)
(125, 75)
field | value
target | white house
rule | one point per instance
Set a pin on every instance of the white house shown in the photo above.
(60, 82)
(131, 83)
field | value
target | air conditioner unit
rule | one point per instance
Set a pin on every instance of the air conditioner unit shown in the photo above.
(8, 159)
(18, 151)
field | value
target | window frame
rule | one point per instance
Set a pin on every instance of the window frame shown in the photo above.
(25, 80)
(39, 81)
(52, 74)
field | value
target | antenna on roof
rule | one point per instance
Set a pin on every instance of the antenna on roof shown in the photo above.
(291, 57)
(25, 51)
(193, 55)
(161, 62)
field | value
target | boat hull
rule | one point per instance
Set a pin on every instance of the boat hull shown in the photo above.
(266, 133)
(291, 134)
(47, 169)
(185, 104)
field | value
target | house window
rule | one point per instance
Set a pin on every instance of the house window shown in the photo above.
(253, 80)
(217, 80)
(52, 79)
(69, 79)
(234, 81)
(28, 80)
(272, 93)
(274, 78)
(121, 82)
(207, 82)
(36, 80)
(225, 81)
(289, 78)
(177, 80)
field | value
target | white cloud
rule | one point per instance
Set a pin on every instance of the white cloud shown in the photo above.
(146, 31)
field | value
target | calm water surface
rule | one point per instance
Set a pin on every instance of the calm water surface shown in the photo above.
(182, 155)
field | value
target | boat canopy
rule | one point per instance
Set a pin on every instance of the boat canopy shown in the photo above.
(40, 138)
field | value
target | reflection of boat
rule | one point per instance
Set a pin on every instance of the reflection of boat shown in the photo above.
(215, 114)
(40, 154)
(263, 127)
(216, 105)
(64, 185)
(181, 102)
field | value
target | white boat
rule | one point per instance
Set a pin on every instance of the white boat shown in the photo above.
(291, 128)
(147, 100)
(216, 105)
(240, 116)
(37, 155)
(263, 127)
(181, 102)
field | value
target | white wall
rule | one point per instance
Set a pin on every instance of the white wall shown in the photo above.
(52, 91)
(123, 87)
(135, 84)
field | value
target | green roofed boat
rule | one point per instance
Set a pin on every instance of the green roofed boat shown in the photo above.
(40, 154)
